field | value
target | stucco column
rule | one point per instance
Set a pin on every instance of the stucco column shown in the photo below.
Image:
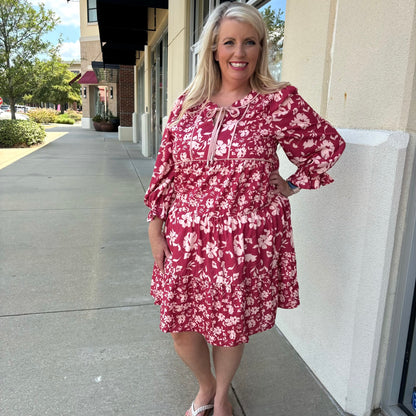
(178, 58)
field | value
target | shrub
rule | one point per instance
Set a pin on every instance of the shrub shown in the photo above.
(75, 115)
(64, 119)
(20, 133)
(42, 115)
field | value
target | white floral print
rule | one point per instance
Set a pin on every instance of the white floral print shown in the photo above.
(233, 261)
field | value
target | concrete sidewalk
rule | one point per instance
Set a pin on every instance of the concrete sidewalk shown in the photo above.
(78, 330)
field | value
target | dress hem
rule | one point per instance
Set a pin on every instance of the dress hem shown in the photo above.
(241, 340)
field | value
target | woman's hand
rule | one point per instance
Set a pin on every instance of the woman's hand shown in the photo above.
(280, 184)
(160, 249)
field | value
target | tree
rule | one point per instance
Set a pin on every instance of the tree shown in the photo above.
(51, 83)
(21, 30)
(276, 28)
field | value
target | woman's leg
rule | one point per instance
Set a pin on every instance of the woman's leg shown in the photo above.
(226, 362)
(193, 350)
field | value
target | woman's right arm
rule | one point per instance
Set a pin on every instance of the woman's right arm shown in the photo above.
(160, 249)
(161, 193)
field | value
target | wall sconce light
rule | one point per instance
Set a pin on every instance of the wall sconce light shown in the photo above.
(85, 92)
(111, 93)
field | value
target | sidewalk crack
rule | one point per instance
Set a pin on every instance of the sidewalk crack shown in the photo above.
(238, 401)
(98, 308)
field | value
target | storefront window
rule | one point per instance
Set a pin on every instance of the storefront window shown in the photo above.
(101, 100)
(140, 95)
(200, 10)
(159, 89)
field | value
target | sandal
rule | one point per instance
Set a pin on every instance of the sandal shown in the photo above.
(205, 409)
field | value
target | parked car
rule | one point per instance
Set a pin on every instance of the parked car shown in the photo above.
(5, 107)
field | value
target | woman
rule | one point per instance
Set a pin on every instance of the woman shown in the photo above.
(220, 227)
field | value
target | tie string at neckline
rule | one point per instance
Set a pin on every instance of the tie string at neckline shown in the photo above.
(219, 118)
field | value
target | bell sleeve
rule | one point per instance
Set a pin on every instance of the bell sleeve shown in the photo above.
(308, 140)
(161, 192)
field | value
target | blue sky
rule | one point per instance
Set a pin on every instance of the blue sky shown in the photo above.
(278, 4)
(68, 13)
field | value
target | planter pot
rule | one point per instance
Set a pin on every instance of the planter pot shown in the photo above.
(105, 126)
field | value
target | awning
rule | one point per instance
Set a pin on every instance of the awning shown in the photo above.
(120, 53)
(75, 79)
(106, 73)
(123, 26)
(89, 77)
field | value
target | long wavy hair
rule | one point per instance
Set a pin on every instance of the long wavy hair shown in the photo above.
(207, 80)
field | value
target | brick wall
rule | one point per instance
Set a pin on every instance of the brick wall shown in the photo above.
(126, 95)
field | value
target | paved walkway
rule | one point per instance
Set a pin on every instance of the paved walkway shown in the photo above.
(78, 330)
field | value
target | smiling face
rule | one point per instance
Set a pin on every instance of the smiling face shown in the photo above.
(237, 52)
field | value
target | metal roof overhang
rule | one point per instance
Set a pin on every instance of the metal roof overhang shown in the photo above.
(123, 26)
(106, 73)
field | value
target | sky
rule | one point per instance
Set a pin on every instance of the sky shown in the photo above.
(68, 12)
(278, 4)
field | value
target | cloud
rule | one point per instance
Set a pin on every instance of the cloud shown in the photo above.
(70, 51)
(67, 11)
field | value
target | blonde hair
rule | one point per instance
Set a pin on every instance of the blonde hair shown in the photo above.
(207, 80)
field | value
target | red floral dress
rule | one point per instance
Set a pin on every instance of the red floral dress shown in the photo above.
(228, 229)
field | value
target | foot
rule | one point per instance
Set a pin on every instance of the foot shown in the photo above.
(223, 408)
(200, 411)
(204, 397)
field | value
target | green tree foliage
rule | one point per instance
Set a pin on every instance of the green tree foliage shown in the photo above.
(51, 83)
(21, 30)
(276, 28)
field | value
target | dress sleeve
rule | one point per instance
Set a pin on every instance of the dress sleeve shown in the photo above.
(161, 192)
(308, 140)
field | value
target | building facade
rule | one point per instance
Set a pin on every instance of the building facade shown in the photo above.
(99, 96)
(356, 239)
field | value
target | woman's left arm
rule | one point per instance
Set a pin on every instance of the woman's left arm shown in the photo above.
(309, 141)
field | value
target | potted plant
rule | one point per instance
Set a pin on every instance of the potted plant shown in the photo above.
(105, 123)
(97, 120)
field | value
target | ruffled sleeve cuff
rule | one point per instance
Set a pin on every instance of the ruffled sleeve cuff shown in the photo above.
(305, 181)
(160, 212)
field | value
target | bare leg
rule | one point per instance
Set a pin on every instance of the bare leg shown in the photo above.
(226, 362)
(193, 350)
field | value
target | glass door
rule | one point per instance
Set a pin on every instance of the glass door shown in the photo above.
(140, 95)
(159, 89)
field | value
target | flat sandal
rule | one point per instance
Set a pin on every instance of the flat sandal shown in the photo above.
(198, 412)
